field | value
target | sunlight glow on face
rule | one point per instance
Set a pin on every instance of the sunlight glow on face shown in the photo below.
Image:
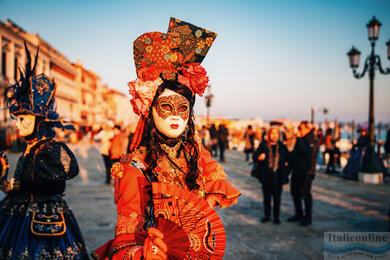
(25, 124)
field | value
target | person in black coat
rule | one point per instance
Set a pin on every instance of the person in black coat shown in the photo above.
(304, 159)
(387, 143)
(272, 159)
(223, 141)
(214, 140)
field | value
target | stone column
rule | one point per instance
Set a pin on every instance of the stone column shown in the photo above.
(11, 61)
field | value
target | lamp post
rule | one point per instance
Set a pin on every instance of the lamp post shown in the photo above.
(372, 62)
(313, 111)
(209, 100)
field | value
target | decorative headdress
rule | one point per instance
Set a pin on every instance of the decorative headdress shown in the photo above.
(33, 95)
(172, 56)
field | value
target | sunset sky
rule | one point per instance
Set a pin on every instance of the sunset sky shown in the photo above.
(271, 59)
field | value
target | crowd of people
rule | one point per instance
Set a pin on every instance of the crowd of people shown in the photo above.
(273, 165)
(284, 157)
(215, 140)
(291, 155)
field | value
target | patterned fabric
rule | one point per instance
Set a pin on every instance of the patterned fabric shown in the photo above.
(166, 53)
(193, 41)
(17, 242)
(175, 55)
(52, 164)
(136, 207)
(128, 224)
(172, 56)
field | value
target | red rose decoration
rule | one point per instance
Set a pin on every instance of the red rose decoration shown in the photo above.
(194, 77)
(148, 73)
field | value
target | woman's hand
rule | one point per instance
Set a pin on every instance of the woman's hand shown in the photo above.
(9, 185)
(261, 157)
(154, 246)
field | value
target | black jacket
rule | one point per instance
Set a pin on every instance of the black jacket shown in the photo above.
(264, 173)
(304, 155)
(44, 171)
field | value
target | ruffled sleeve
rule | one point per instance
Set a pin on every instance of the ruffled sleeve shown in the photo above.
(55, 162)
(131, 196)
(47, 168)
(219, 192)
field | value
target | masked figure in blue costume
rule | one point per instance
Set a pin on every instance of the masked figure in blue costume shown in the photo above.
(35, 221)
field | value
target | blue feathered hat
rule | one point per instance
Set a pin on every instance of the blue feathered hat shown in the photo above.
(34, 95)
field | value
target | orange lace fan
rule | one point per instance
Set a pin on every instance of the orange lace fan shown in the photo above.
(199, 221)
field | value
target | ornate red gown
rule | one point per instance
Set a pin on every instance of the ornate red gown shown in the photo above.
(137, 209)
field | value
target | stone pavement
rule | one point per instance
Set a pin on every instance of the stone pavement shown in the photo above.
(339, 205)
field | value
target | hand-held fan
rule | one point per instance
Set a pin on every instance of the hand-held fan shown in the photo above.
(199, 221)
(174, 237)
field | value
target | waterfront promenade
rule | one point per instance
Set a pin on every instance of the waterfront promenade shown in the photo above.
(339, 205)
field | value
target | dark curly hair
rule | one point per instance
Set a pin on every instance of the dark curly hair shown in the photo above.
(152, 137)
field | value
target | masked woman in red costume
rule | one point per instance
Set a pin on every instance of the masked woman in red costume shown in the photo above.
(169, 175)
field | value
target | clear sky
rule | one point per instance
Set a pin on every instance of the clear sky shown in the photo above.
(271, 59)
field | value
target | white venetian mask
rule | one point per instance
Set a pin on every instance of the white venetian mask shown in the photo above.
(25, 124)
(171, 113)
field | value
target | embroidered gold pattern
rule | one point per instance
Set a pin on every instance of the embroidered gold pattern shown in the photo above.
(128, 225)
(171, 151)
(121, 246)
(173, 105)
(65, 159)
(117, 170)
(219, 174)
(221, 200)
(44, 254)
(42, 87)
(31, 144)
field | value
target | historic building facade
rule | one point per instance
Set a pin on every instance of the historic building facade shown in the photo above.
(81, 97)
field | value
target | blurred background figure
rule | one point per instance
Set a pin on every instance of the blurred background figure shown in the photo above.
(104, 136)
(355, 160)
(387, 143)
(363, 138)
(330, 150)
(321, 152)
(204, 135)
(272, 159)
(304, 159)
(290, 137)
(118, 144)
(354, 163)
(223, 139)
(249, 138)
(214, 140)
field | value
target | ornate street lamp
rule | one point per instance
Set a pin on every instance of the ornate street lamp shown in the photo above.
(314, 110)
(372, 62)
(373, 27)
(354, 57)
(209, 100)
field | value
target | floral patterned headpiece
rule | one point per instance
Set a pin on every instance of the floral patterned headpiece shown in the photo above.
(175, 55)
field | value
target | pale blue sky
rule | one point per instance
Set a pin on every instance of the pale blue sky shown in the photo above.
(270, 59)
